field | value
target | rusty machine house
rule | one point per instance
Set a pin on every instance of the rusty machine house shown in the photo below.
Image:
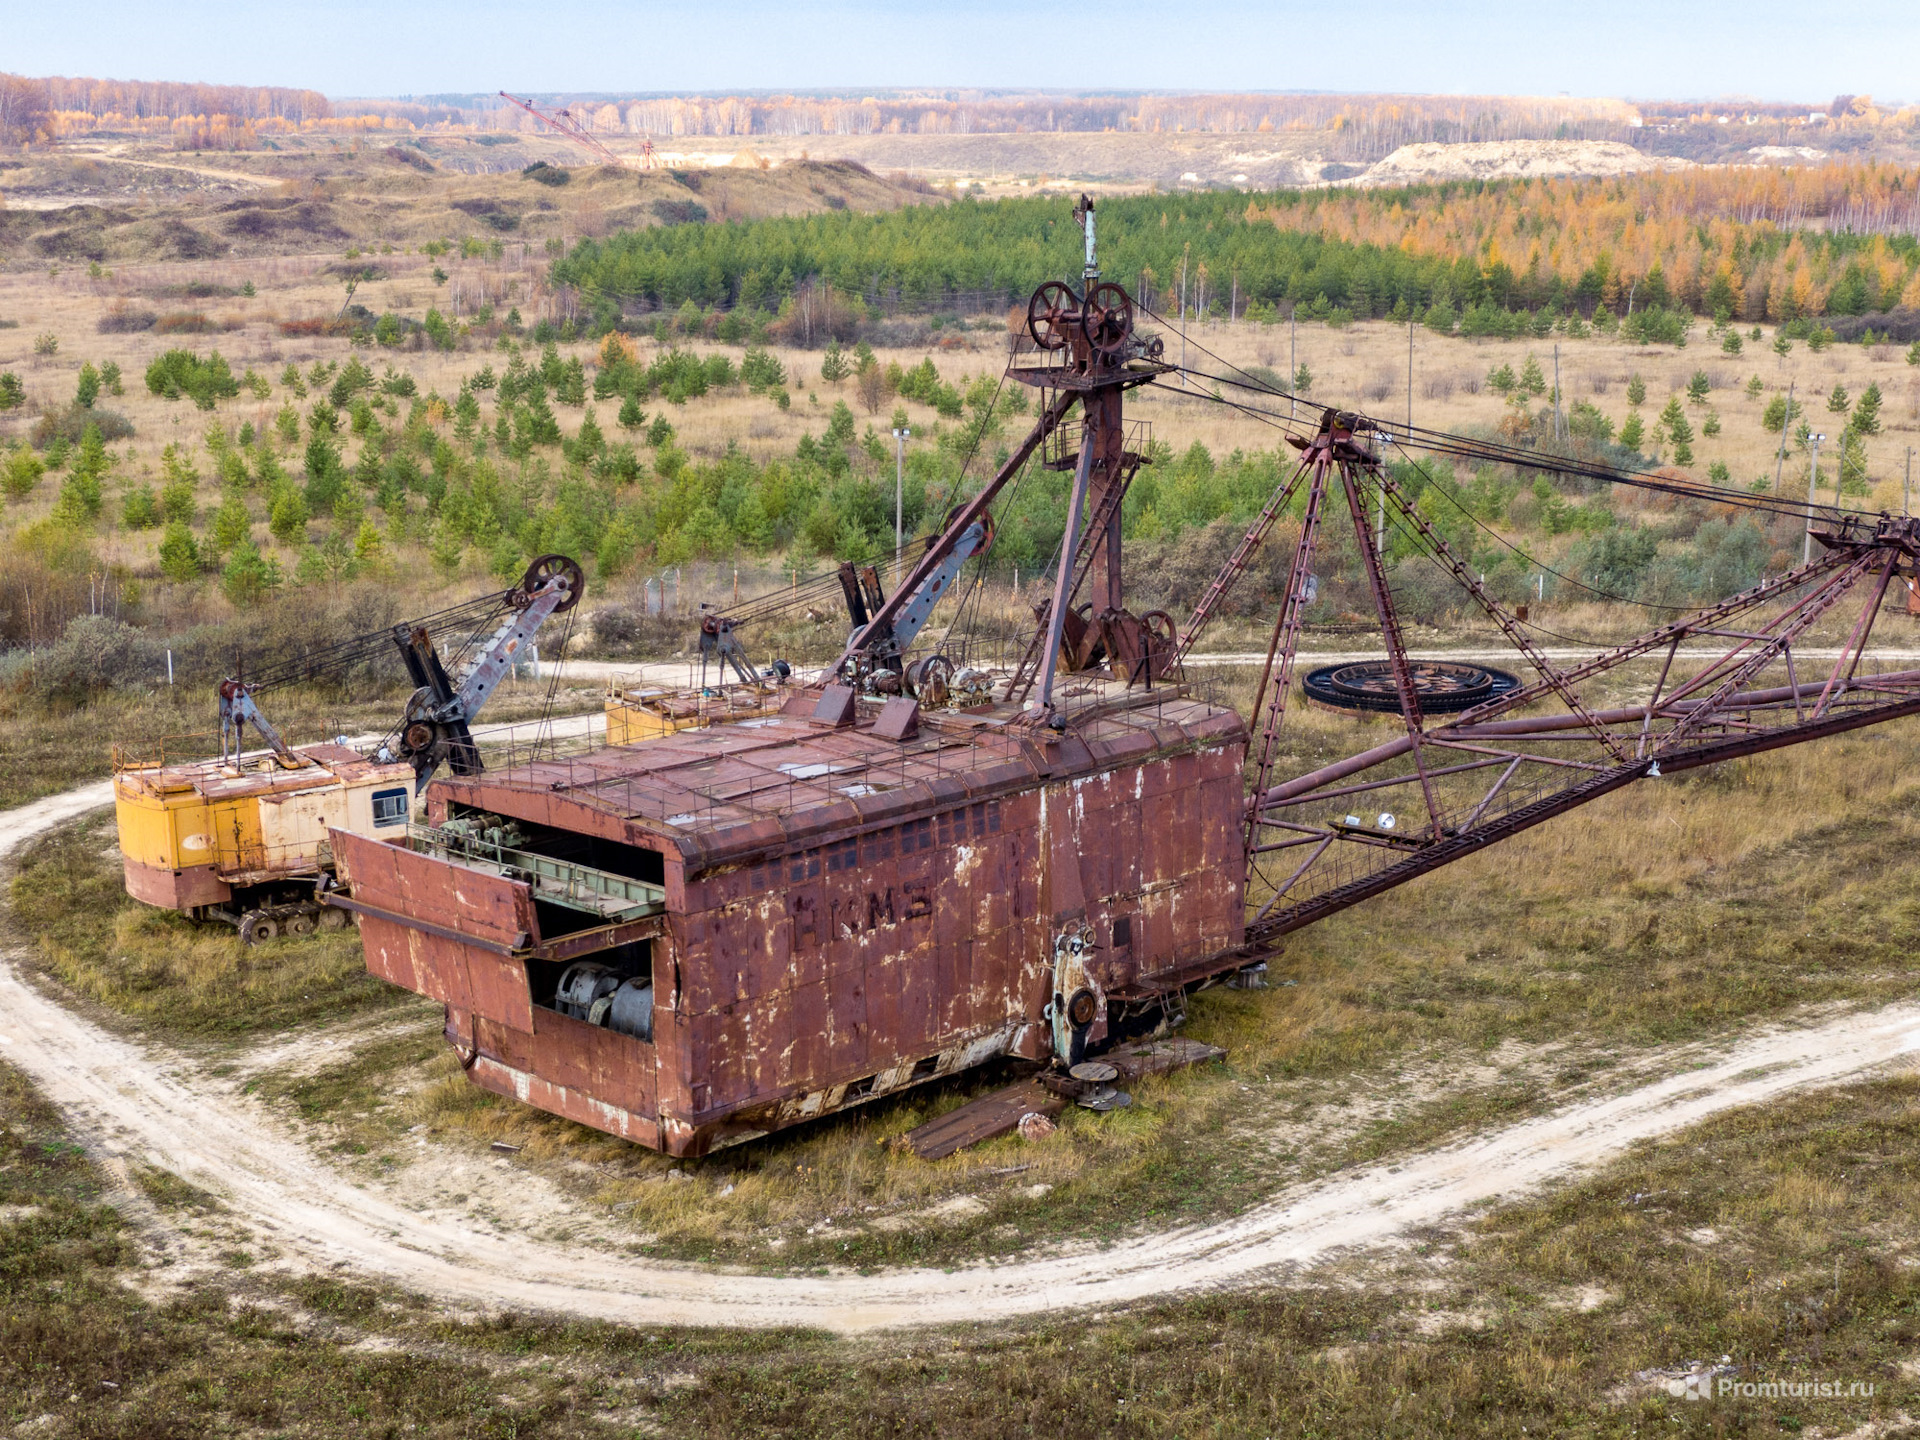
(728, 930)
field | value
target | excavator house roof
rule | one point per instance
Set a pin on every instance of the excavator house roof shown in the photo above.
(850, 899)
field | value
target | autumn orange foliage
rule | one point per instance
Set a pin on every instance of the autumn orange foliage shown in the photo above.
(1761, 232)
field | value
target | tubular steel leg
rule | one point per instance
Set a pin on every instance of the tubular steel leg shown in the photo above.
(1857, 642)
(1286, 640)
(1236, 565)
(1063, 581)
(1390, 633)
(1550, 675)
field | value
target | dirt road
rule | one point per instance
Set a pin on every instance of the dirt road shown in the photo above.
(127, 1099)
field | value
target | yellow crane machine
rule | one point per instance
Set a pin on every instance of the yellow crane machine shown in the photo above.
(242, 838)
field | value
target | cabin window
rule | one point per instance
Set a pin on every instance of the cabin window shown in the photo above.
(390, 807)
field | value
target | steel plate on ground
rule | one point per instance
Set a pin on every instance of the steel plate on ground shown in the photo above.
(1106, 1098)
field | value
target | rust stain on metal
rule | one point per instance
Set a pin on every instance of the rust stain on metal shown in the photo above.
(846, 913)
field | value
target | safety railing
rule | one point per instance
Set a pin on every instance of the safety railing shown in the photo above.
(561, 882)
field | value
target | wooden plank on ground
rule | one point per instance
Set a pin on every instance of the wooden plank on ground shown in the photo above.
(1048, 1094)
(1157, 1057)
(982, 1119)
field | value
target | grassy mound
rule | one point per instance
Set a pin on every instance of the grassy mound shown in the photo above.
(154, 967)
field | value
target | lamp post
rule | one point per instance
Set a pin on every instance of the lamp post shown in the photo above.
(1813, 487)
(901, 434)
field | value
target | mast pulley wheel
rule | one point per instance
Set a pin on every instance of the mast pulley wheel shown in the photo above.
(1052, 315)
(544, 569)
(1107, 320)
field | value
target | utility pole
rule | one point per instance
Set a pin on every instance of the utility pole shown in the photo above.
(1409, 377)
(901, 435)
(1813, 486)
(1558, 424)
(1184, 255)
(1781, 459)
(1906, 486)
(1293, 355)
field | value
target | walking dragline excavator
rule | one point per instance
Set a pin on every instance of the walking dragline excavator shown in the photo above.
(734, 929)
(242, 838)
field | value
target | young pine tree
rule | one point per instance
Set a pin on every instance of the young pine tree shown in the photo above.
(1673, 420)
(142, 510)
(1698, 387)
(1636, 389)
(1838, 402)
(833, 365)
(179, 556)
(287, 516)
(1673, 415)
(21, 473)
(589, 442)
(1866, 415)
(1533, 380)
(232, 525)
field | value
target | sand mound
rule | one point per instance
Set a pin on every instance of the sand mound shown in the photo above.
(1508, 160)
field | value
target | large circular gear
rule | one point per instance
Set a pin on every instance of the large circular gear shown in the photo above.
(544, 568)
(1159, 624)
(1107, 320)
(1444, 686)
(1051, 313)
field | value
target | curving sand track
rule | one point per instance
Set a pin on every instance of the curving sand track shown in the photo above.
(128, 1098)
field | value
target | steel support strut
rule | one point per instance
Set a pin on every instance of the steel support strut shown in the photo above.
(1390, 635)
(1286, 637)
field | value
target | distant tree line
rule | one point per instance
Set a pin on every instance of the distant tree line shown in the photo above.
(1618, 245)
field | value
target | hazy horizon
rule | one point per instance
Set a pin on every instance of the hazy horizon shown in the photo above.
(1765, 51)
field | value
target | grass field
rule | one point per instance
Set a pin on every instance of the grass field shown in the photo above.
(1766, 1248)
(1683, 910)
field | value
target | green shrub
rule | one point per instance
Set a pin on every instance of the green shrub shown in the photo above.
(179, 555)
(71, 423)
(21, 474)
(142, 510)
(94, 654)
(181, 373)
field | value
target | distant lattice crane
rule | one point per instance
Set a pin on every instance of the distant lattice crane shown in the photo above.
(562, 120)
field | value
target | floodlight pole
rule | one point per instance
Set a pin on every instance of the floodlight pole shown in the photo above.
(1781, 459)
(1813, 487)
(901, 434)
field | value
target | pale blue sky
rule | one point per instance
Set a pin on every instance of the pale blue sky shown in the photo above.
(1768, 49)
